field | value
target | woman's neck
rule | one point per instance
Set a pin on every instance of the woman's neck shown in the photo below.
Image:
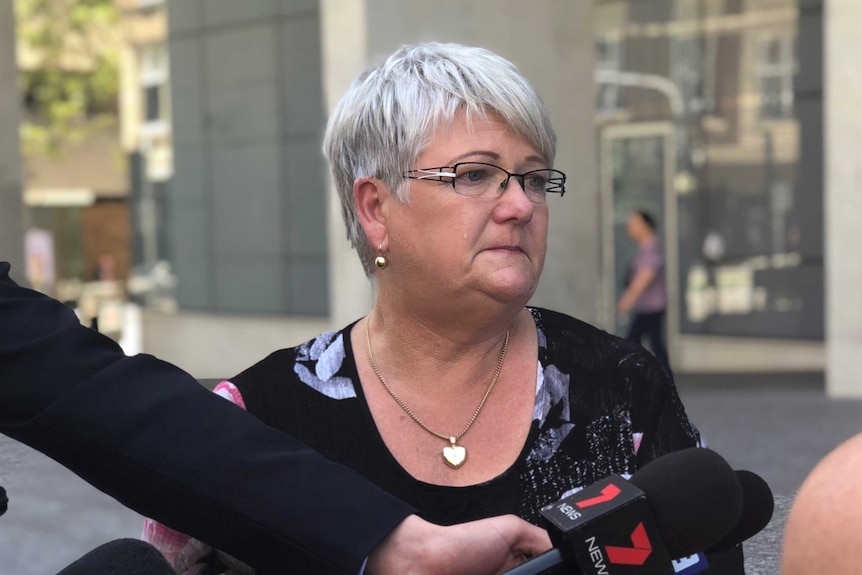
(444, 381)
(443, 352)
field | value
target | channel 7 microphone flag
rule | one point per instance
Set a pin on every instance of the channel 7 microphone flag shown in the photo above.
(609, 527)
(675, 506)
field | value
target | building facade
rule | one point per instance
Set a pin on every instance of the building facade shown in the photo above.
(716, 115)
(709, 115)
(73, 181)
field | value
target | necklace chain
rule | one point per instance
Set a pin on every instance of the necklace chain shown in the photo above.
(451, 438)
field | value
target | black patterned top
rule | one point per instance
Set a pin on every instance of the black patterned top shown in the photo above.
(602, 406)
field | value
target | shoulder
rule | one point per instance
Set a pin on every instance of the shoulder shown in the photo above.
(824, 521)
(652, 253)
(558, 324)
(600, 367)
(321, 347)
(566, 337)
(323, 364)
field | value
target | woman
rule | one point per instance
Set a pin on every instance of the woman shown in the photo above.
(451, 394)
(646, 292)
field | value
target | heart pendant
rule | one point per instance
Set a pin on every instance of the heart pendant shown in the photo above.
(454, 455)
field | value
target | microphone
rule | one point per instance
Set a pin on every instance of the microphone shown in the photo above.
(675, 506)
(121, 557)
(757, 507)
(4, 501)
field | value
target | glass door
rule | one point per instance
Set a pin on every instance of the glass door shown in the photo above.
(637, 167)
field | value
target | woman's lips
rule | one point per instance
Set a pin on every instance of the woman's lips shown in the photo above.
(511, 249)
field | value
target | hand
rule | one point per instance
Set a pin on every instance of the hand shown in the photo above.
(642, 280)
(624, 306)
(485, 547)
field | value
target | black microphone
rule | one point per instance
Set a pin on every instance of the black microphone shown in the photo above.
(675, 506)
(121, 557)
(757, 507)
(4, 501)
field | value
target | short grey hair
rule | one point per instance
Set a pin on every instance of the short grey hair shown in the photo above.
(386, 118)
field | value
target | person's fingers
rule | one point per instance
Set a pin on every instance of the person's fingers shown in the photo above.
(527, 539)
(519, 539)
(482, 547)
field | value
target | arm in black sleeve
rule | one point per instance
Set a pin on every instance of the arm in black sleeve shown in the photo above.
(148, 434)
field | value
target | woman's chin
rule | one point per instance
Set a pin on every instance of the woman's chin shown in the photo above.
(510, 286)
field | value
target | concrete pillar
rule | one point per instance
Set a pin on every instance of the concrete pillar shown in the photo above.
(551, 42)
(843, 190)
(344, 53)
(11, 208)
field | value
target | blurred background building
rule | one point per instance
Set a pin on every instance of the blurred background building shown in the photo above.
(715, 115)
(73, 175)
(709, 114)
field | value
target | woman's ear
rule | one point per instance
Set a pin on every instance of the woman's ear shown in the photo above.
(369, 198)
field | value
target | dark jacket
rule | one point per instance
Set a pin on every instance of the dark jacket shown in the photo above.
(148, 434)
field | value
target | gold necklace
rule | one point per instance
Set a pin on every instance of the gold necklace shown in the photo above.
(454, 455)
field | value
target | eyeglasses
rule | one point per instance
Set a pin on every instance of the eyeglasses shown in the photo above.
(481, 180)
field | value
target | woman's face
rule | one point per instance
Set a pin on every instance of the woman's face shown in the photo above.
(637, 227)
(455, 245)
(633, 227)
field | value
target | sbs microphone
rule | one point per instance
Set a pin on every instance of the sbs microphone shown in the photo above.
(675, 506)
(121, 557)
(757, 507)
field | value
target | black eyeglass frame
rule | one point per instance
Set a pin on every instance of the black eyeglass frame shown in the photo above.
(437, 175)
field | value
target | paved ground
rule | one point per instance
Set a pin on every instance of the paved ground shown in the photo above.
(54, 517)
(778, 428)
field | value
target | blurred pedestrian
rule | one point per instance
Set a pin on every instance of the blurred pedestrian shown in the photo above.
(646, 288)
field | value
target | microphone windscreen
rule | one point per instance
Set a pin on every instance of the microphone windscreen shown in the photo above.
(121, 557)
(695, 498)
(757, 507)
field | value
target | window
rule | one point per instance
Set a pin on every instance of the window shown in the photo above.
(152, 103)
(609, 57)
(155, 84)
(776, 66)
